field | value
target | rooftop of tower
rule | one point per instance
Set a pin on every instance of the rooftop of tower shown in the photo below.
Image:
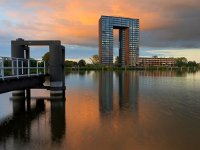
(119, 17)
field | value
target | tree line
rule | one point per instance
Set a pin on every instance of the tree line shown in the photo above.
(81, 63)
(183, 62)
(179, 62)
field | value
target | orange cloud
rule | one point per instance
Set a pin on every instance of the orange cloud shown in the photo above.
(77, 21)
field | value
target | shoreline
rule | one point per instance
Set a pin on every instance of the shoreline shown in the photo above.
(108, 68)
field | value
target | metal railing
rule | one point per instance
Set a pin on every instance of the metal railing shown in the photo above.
(18, 67)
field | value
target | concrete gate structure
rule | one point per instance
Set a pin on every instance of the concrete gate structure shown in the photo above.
(128, 40)
(20, 49)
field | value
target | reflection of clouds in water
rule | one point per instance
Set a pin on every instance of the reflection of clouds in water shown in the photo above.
(5, 105)
(162, 103)
(40, 92)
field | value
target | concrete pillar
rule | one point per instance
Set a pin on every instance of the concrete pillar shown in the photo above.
(28, 91)
(17, 51)
(27, 48)
(57, 76)
(63, 65)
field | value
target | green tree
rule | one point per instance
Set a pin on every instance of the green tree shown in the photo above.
(117, 60)
(45, 57)
(33, 62)
(181, 62)
(69, 63)
(95, 59)
(81, 63)
(7, 63)
(192, 64)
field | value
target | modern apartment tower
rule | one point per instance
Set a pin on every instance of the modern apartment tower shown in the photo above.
(128, 40)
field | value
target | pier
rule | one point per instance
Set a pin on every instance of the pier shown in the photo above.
(20, 73)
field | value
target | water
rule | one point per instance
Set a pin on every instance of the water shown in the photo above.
(111, 110)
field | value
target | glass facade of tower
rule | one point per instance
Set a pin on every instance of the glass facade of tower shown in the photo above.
(128, 40)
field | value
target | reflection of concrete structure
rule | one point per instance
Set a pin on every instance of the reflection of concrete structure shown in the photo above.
(154, 61)
(19, 125)
(128, 90)
(106, 91)
(22, 126)
(57, 120)
(18, 101)
(128, 39)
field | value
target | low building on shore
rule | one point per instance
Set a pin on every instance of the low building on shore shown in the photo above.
(156, 61)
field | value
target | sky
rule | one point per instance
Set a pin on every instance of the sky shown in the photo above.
(167, 28)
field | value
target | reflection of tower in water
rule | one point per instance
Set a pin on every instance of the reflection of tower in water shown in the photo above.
(128, 90)
(106, 91)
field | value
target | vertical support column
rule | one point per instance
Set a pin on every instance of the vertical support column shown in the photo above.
(2, 68)
(27, 56)
(13, 71)
(56, 61)
(17, 51)
(100, 41)
(124, 59)
(122, 50)
(37, 68)
(22, 66)
(28, 69)
(106, 41)
(27, 48)
(17, 67)
(57, 93)
(63, 69)
(110, 47)
(127, 57)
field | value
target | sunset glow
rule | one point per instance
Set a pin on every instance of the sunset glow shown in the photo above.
(162, 24)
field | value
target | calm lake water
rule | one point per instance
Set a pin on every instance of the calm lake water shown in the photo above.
(124, 110)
